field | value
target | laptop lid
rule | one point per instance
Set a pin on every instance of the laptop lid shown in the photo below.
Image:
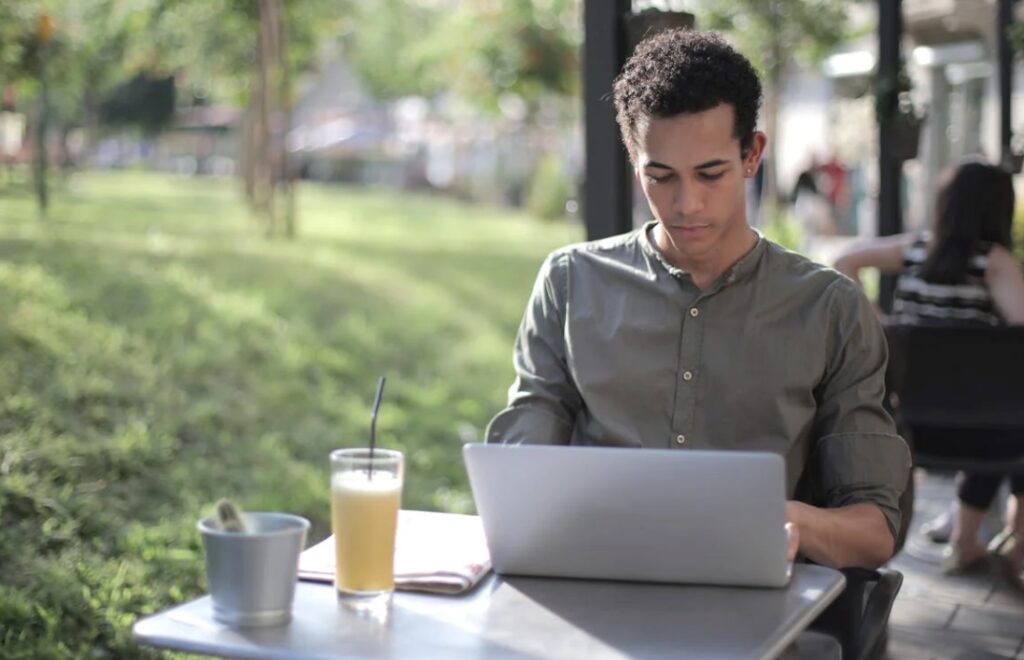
(659, 515)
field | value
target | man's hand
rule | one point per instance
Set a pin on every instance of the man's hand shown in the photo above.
(854, 535)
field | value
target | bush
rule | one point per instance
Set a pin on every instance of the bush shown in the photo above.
(549, 190)
(783, 229)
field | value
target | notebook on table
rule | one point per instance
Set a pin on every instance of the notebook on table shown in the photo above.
(434, 552)
(658, 515)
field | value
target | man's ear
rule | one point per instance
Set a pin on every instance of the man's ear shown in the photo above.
(752, 155)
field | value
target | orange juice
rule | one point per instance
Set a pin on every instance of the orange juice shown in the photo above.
(364, 516)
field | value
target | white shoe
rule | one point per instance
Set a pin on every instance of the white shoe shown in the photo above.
(939, 528)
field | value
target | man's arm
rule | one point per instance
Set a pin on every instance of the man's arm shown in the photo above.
(859, 465)
(543, 401)
(853, 535)
(1006, 282)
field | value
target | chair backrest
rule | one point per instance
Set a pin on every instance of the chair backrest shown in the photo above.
(859, 618)
(872, 636)
(957, 377)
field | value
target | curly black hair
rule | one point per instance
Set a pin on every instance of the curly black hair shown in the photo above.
(685, 71)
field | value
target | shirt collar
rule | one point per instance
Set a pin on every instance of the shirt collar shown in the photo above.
(737, 272)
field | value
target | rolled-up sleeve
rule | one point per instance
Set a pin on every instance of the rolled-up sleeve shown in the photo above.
(543, 400)
(860, 456)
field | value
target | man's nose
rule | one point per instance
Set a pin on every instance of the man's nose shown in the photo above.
(688, 200)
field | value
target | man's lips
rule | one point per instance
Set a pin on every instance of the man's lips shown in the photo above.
(688, 228)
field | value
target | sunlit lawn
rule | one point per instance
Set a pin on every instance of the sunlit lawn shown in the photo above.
(157, 353)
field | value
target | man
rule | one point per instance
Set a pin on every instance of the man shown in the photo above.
(695, 332)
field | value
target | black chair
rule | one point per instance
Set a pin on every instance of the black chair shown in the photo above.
(859, 618)
(957, 394)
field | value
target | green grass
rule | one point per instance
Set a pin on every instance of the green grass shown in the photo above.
(159, 354)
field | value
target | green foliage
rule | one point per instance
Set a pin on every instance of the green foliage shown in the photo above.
(784, 229)
(478, 51)
(157, 357)
(549, 190)
(17, 22)
(214, 42)
(386, 42)
(10, 29)
(1015, 35)
(83, 58)
(521, 47)
(99, 44)
(771, 33)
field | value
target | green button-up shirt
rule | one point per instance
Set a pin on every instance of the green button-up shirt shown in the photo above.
(619, 348)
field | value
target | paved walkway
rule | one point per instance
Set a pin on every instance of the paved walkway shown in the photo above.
(936, 616)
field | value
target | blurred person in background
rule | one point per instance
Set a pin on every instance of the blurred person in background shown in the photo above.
(832, 178)
(810, 206)
(964, 273)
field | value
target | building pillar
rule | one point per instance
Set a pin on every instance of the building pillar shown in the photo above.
(890, 167)
(608, 183)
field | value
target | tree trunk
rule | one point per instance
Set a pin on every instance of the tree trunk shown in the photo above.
(262, 153)
(91, 125)
(273, 117)
(247, 154)
(286, 99)
(67, 163)
(770, 193)
(40, 166)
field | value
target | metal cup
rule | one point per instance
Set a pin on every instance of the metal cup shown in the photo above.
(252, 575)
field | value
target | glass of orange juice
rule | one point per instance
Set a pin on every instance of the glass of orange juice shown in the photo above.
(366, 492)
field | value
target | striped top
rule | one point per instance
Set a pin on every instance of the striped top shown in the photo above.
(919, 302)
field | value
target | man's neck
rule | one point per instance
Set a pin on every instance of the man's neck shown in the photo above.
(706, 268)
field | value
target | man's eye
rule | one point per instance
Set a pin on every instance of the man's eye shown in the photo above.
(658, 179)
(711, 176)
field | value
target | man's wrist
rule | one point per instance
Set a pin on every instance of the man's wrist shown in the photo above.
(794, 512)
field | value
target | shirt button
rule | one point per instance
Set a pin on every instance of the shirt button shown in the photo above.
(680, 439)
(694, 312)
(687, 375)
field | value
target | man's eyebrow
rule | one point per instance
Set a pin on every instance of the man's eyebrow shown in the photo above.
(703, 166)
(711, 163)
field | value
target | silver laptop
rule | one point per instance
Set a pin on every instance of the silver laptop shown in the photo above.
(657, 515)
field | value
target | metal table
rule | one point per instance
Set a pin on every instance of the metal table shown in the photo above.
(520, 617)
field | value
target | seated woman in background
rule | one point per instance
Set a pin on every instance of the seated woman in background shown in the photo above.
(964, 273)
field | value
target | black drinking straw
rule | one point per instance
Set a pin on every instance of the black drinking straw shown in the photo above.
(373, 423)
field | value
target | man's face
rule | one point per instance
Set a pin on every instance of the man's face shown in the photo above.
(692, 172)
